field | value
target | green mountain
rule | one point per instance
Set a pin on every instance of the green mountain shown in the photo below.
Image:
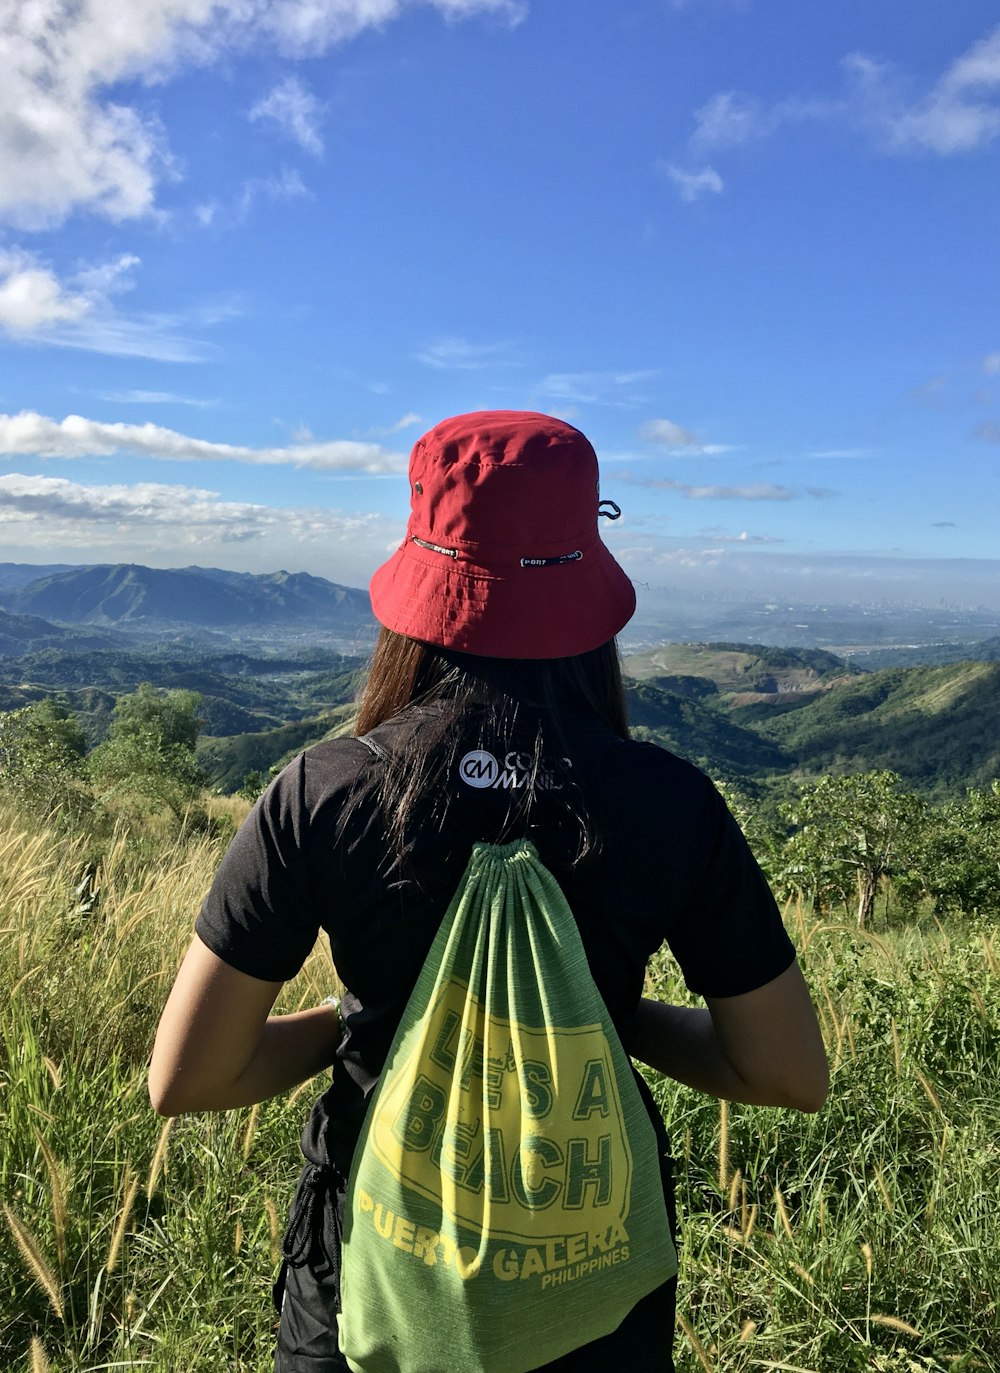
(936, 726)
(741, 711)
(700, 733)
(227, 761)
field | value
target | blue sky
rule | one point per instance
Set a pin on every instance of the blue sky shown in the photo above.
(250, 249)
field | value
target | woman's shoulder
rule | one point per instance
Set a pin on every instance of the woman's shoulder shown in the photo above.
(636, 762)
(328, 769)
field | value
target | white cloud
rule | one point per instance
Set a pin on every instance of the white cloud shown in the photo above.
(947, 119)
(991, 364)
(746, 538)
(68, 142)
(756, 491)
(460, 355)
(32, 297)
(285, 185)
(406, 421)
(728, 120)
(136, 397)
(76, 437)
(692, 185)
(295, 110)
(37, 306)
(671, 434)
(596, 388)
(44, 511)
(680, 441)
(839, 453)
(958, 113)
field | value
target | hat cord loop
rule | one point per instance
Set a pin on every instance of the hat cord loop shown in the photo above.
(615, 513)
(435, 547)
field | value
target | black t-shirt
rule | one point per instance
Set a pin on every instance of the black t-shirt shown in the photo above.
(666, 861)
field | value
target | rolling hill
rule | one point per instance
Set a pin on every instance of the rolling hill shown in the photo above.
(936, 726)
(740, 672)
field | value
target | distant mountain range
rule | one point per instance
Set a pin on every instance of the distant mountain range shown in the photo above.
(138, 599)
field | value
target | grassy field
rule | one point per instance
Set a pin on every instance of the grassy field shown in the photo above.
(865, 1237)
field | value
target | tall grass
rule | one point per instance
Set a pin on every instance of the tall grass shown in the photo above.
(865, 1237)
(123, 1243)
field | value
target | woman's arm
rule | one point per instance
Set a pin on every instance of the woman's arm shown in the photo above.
(218, 1046)
(763, 1047)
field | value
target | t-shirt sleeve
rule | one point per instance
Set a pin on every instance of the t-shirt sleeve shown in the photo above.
(732, 939)
(259, 915)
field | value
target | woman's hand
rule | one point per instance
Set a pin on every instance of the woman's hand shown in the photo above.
(218, 1046)
(763, 1047)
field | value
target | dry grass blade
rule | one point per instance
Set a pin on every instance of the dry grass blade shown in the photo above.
(751, 1221)
(35, 1260)
(783, 1216)
(159, 1158)
(57, 1188)
(130, 1188)
(894, 1323)
(880, 1182)
(39, 1359)
(990, 954)
(275, 1228)
(786, 1367)
(723, 1147)
(734, 1190)
(696, 1345)
(929, 1091)
(251, 1130)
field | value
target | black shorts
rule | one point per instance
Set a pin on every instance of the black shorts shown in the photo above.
(307, 1295)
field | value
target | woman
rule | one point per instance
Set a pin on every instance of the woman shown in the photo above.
(493, 712)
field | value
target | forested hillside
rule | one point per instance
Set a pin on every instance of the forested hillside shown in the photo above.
(745, 713)
(936, 726)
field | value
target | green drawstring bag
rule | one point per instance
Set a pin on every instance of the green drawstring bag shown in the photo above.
(505, 1203)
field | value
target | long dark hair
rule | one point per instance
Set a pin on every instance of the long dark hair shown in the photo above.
(497, 694)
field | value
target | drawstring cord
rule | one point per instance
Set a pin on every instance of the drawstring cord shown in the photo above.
(304, 1234)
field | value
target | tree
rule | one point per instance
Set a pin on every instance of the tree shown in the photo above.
(961, 863)
(148, 755)
(851, 832)
(41, 756)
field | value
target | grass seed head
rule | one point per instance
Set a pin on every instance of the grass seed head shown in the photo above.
(130, 1187)
(782, 1213)
(35, 1261)
(895, 1323)
(39, 1359)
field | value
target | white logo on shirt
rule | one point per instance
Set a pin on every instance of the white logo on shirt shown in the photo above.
(481, 769)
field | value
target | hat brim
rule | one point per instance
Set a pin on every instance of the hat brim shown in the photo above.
(542, 612)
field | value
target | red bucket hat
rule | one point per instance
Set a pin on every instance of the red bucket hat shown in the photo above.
(502, 557)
